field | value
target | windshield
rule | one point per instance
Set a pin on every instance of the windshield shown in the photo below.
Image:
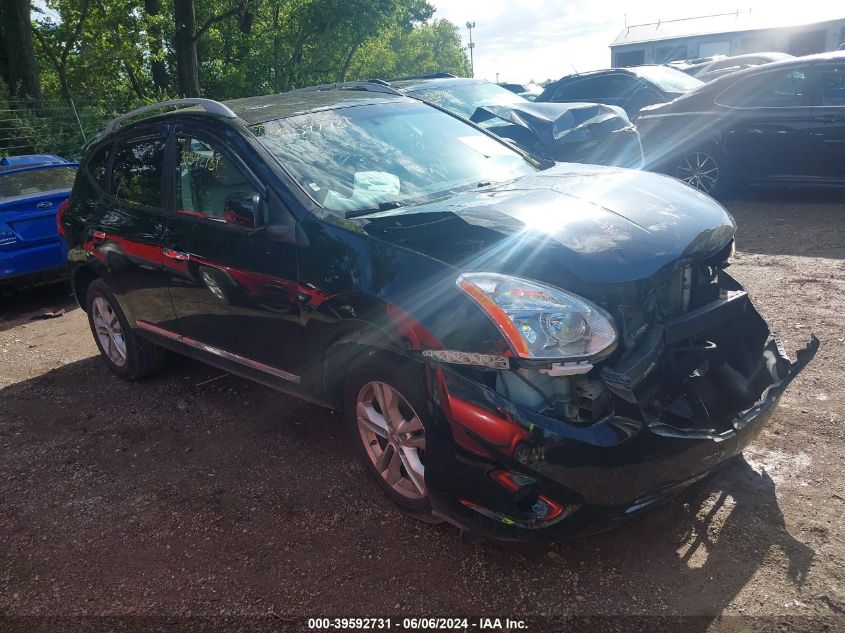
(36, 181)
(356, 158)
(463, 98)
(668, 79)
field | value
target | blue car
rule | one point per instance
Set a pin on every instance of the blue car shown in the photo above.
(32, 188)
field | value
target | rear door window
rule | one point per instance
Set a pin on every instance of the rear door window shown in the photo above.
(137, 171)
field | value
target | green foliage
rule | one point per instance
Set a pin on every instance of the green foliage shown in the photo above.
(290, 43)
(53, 129)
(99, 55)
(427, 48)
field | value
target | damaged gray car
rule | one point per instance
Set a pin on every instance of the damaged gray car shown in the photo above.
(592, 133)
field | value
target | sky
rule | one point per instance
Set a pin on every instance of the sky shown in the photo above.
(525, 40)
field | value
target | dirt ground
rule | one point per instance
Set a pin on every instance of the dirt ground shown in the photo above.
(198, 493)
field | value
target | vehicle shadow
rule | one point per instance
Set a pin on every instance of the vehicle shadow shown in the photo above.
(692, 558)
(17, 306)
(808, 223)
(163, 483)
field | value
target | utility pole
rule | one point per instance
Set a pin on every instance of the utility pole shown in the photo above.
(497, 78)
(470, 27)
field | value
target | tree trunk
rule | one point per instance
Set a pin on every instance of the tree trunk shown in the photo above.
(295, 61)
(4, 66)
(64, 84)
(187, 64)
(277, 51)
(158, 70)
(342, 76)
(227, 42)
(133, 80)
(22, 67)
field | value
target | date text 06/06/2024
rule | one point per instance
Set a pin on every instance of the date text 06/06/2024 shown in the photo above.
(416, 624)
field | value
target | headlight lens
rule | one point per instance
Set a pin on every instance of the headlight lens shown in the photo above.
(540, 321)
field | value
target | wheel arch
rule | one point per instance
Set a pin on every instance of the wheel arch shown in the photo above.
(348, 347)
(81, 279)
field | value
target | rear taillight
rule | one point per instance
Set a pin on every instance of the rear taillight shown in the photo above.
(62, 208)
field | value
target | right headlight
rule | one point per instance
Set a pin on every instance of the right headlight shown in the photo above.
(540, 321)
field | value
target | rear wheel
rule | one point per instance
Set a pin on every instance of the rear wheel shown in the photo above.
(125, 353)
(704, 169)
(384, 404)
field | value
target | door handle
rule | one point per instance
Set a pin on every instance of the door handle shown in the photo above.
(178, 256)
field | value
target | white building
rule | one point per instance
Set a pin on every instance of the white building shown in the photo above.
(723, 34)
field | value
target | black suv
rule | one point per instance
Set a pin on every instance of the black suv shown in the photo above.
(527, 350)
(629, 88)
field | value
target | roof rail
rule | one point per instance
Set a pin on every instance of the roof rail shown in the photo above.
(208, 105)
(426, 76)
(370, 85)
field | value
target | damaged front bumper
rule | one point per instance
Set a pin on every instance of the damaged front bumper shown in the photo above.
(502, 470)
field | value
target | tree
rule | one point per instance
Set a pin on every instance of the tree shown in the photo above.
(59, 39)
(186, 37)
(120, 52)
(158, 69)
(20, 68)
(317, 41)
(427, 48)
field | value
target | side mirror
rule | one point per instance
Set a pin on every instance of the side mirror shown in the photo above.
(244, 210)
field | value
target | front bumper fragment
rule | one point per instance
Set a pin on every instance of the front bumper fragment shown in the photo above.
(602, 474)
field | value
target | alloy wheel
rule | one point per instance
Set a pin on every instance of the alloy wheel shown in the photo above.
(212, 284)
(109, 331)
(394, 438)
(699, 170)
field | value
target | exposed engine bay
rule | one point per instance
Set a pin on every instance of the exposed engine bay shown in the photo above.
(694, 354)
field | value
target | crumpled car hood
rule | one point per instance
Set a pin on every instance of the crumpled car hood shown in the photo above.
(571, 222)
(560, 122)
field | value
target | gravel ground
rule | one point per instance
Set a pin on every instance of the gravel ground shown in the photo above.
(182, 495)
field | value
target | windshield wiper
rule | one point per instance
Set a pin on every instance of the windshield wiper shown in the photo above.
(382, 206)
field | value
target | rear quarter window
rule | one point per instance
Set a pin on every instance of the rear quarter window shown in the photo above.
(601, 87)
(97, 167)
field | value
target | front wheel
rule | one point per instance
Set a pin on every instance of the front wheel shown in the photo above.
(704, 169)
(383, 404)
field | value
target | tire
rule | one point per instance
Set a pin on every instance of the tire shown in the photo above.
(126, 354)
(704, 168)
(403, 477)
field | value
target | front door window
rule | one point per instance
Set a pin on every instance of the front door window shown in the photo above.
(205, 178)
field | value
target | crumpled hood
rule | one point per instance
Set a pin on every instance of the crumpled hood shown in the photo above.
(560, 122)
(568, 224)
